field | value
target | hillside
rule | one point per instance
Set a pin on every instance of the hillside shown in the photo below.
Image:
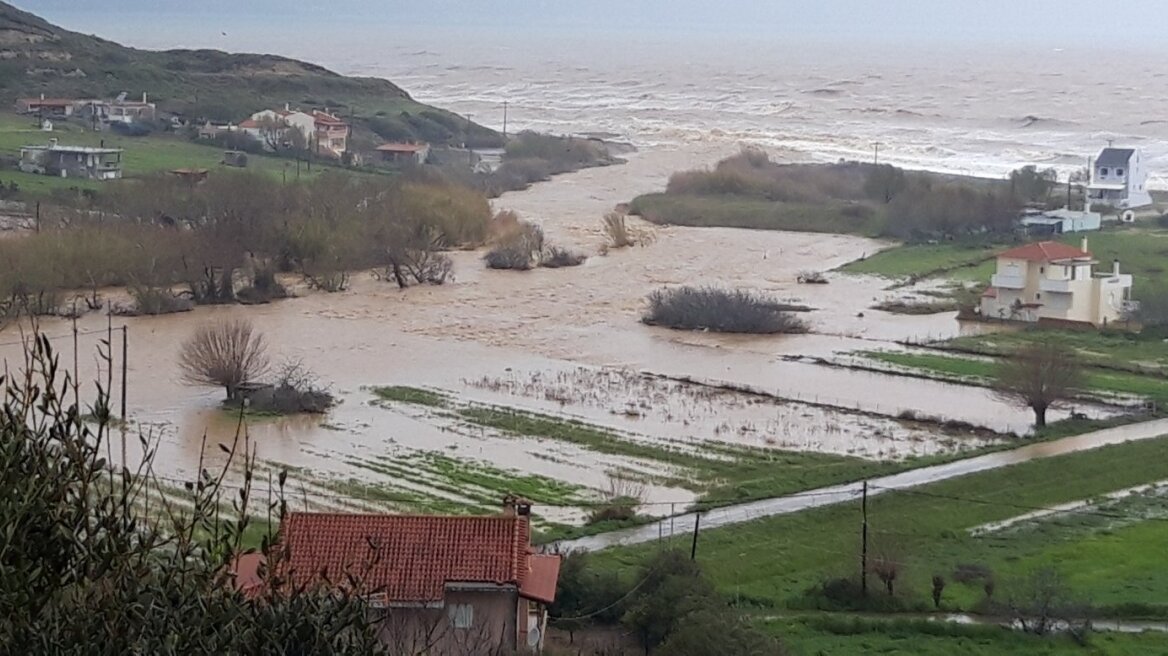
(38, 57)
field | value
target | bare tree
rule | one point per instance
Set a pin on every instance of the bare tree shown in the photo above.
(1042, 603)
(886, 566)
(225, 354)
(1038, 375)
(617, 230)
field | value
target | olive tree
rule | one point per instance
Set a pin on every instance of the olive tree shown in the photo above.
(225, 354)
(1038, 375)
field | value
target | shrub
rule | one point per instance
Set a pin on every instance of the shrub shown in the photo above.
(226, 354)
(719, 310)
(518, 249)
(617, 231)
(154, 301)
(622, 498)
(557, 257)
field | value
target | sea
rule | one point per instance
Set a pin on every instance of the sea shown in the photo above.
(967, 108)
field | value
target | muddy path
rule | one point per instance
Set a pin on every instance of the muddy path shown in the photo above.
(737, 514)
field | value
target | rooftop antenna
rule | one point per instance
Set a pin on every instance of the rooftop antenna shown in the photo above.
(122, 97)
(1110, 143)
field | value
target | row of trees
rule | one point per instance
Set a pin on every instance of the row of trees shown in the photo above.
(239, 230)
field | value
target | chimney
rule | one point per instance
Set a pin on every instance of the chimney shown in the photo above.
(1115, 267)
(287, 107)
(42, 96)
(143, 97)
(53, 142)
(1083, 246)
(515, 506)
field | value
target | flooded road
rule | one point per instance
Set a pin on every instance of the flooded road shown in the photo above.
(511, 325)
(737, 514)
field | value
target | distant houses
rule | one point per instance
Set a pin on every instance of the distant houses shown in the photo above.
(1117, 178)
(81, 162)
(118, 110)
(1062, 221)
(322, 132)
(1053, 282)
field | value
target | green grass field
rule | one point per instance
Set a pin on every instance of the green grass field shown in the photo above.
(142, 156)
(954, 261)
(1142, 252)
(981, 371)
(824, 636)
(770, 563)
(1094, 347)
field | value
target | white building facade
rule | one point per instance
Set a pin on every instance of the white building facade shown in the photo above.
(1118, 179)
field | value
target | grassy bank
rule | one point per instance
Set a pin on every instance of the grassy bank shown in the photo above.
(981, 372)
(1118, 349)
(735, 211)
(953, 261)
(816, 636)
(772, 563)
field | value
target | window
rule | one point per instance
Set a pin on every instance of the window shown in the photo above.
(1037, 296)
(1042, 269)
(1103, 170)
(1119, 171)
(461, 615)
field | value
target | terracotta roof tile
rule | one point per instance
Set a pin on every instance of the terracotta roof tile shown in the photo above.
(542, 575)
(410, 558)
(1044, 251)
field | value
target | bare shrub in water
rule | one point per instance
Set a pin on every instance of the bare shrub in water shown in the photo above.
(557, 257)
(150, 300)
(226, 354)
(617, 231)
(519, 249)
(719, 310)
(621, 500)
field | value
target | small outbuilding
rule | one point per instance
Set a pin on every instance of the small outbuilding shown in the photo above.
(404, 153)
(84, 162)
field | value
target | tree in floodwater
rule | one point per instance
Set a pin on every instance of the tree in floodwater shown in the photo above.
(1038, 375)
(226, 354)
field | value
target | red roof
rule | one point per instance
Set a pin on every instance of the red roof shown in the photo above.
(49, 101)
(325, 118)
(250, 123)
(411, 558)
(402, 147)
(990, 292)
(246, 568)
(1045, 251)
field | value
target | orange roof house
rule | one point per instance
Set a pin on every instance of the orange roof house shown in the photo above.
(413, 153)
(452, 578)
(1054, 282)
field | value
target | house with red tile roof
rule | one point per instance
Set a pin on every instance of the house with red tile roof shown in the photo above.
(324, 132)
(1053, 282)
(441, 584)
(404, 153)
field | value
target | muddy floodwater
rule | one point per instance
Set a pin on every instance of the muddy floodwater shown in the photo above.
(564, 341)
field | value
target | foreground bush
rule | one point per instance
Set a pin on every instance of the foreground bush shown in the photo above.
(719, 310)
(87, 571)
(519, 248)
(557, 257)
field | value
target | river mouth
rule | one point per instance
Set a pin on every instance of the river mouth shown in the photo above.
(565, 341)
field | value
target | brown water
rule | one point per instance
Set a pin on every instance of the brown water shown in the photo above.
(514, 326)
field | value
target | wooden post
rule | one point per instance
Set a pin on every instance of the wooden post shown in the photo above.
(864, 543)
(693, 550)
(125, 350)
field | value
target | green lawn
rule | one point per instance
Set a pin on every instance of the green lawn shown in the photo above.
(955, 261)
(770, 563)
(981, 371)
(827, 636)
(142, 156)
(1116, 348)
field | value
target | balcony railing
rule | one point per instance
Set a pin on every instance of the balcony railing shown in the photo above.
(1004, 281)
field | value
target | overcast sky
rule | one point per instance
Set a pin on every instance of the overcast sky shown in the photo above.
(1064, 23)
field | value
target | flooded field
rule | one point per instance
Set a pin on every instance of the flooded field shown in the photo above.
(564, 342)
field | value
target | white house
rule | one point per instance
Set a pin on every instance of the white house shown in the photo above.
(1057, 222)
(1055, 282)
(1118, 179)
(328, 134)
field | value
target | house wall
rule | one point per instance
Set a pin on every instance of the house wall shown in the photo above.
(493, 630)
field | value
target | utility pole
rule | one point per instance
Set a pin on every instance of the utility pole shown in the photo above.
(876, 153)
(466, 142)
(864, 543)
(504, 119)
(693, 551)
(125, 351)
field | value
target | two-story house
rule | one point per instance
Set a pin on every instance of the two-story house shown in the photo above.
(437, 585)
(324, 133)
(1118, 179)
(1050, 281)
